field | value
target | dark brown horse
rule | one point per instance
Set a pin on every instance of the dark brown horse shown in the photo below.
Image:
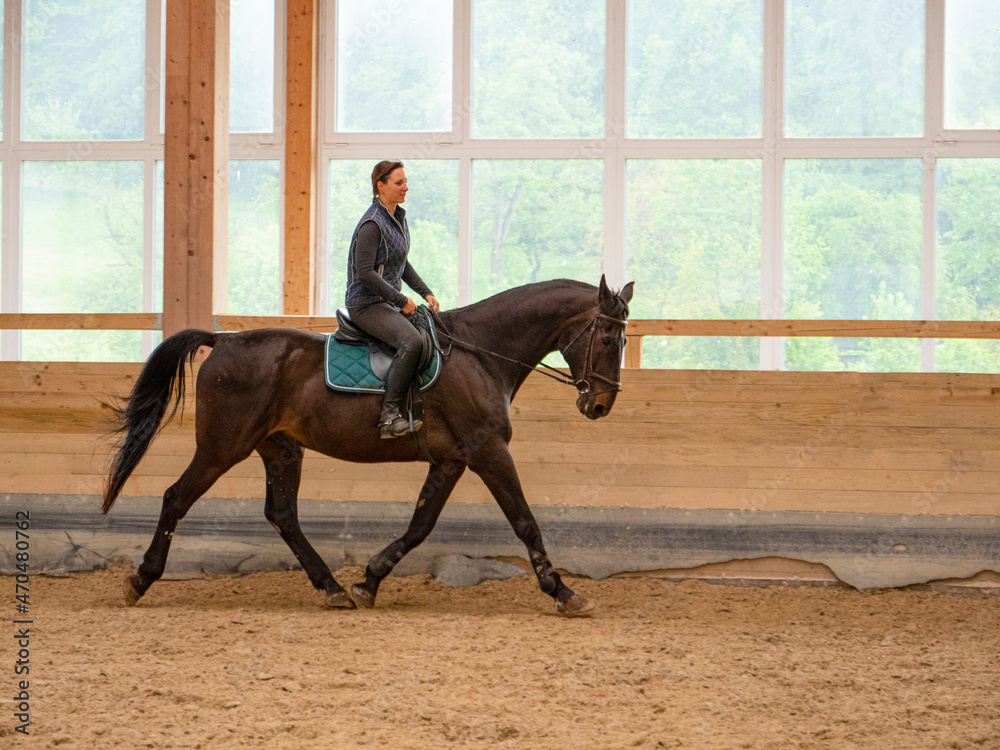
(264, 391)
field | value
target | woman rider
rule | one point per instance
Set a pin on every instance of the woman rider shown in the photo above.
(376, 265)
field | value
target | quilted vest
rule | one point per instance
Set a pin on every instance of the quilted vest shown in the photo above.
(390, 259)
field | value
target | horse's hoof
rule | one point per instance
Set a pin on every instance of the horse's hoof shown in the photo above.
(575, 606)
(339, 600)
(362, 597)
(128, 588)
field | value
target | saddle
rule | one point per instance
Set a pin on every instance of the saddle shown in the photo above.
(357, 362)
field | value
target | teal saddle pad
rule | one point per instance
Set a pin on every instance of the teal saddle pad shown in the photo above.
(348, 368)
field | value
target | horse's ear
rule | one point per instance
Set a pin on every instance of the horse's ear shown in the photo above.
(603, 292)
(626, 292)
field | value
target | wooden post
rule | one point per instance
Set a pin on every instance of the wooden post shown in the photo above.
(633, 352)
(300, 158)
(196, 163)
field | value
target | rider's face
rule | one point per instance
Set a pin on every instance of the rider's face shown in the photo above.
(393, 190)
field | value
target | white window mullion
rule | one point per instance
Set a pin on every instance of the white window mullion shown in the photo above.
(464, 231)
(461, 80)
(772, 192)
(322, 286)
(277, 136)
(153, 136)
(615, 114)
(327, 88)
(462, 127)
(933, 128)
(10, 255)
(154, 72)
(10, 341)
(149, 280)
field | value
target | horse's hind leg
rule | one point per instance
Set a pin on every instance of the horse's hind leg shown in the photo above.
(199, 476)
(283, 465)
(441, 480)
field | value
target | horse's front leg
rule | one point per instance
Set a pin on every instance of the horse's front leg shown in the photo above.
(496, 468)
(441, 480)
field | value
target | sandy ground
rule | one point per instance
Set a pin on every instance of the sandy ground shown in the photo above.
(257, 662)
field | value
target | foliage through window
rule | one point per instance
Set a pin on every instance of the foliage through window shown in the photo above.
(645, 139)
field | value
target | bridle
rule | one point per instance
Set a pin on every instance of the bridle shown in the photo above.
(583, 384)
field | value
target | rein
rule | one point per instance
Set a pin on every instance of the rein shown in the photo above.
(582, 385)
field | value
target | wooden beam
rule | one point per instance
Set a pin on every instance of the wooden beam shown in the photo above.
(918, 329)
(196, 163)
(300, 158)
(80, 322)
(637, 329)
(251, 322)
(932, 329)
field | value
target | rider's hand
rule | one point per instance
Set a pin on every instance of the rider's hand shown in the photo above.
(409, 307)
(433, 303)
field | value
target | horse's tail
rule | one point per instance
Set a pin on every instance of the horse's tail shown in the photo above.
(137, 418)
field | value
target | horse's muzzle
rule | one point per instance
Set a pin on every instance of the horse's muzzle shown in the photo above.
(595, 406)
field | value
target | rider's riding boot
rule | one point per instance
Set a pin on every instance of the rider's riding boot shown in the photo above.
(394, 423)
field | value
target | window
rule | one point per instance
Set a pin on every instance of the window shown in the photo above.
(650, 140)
(695, 69)
(84, 70)
(394, 65)
(854, 68)
(538, 69)
(853, 251)
(82, 253)
(972, 64)
(251, 66)
(968, 259)
(534, 220)
(693, 243)
(738, 158)
(254, 237)
(83, 153)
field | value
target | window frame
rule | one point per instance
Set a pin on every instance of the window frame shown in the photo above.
(613, 149)
(150, 150)
(772, 149)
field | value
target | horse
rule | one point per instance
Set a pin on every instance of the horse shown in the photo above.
(264, 390)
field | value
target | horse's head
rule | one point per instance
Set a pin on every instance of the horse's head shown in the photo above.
(594, 356)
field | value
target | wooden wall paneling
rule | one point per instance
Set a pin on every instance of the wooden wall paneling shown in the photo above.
(820, 442)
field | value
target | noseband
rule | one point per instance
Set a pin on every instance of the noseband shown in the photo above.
(583, 384)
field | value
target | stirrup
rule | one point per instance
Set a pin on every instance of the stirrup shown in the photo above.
(397, 427)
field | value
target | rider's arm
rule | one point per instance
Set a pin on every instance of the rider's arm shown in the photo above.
(413, 280)
(365, 252)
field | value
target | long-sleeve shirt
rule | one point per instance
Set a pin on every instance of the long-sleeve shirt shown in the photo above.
(365, 251)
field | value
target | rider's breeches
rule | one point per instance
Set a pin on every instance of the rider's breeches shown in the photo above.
(385, 322)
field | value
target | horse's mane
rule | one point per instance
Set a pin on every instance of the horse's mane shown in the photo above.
(516, 297)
